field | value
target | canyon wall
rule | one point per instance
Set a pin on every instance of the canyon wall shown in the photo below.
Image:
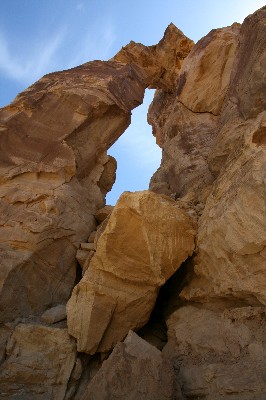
(213, 134)
(191, 249)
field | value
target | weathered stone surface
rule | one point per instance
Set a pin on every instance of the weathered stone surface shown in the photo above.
(38, 364)
(92, 237)
(213, 135)
(205, 74)
(49, 201)
(219, 355)
(81, 256)
(208, 115)
(160, 63)
(185, 122)
(103, 213)
(231, 260)
(87, 246)
(54, 314)
(134, 370)
(145, 241)
(248, 85)
(186, 139)
(219, 160)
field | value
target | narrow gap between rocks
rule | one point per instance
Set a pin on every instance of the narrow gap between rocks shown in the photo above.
(136, 152)
(168, 300)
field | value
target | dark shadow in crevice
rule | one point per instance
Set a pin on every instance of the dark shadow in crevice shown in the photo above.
(78, 274)
(168, 300)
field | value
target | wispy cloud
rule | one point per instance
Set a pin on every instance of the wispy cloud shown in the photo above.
(64, 49)
(94, 45)
(26, 68)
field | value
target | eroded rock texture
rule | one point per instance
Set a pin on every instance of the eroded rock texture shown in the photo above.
(213, 135)
(54, 171)
(54, 175)
(39, 361)
(145, 241)
(143, 374)
(218, 355)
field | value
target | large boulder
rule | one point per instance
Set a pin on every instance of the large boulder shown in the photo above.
(134, 370)
(145, 241)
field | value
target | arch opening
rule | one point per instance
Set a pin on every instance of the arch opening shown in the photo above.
(136, 152)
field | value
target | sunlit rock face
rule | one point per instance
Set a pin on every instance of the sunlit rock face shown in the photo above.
(213, 133)
(186, 122)
(55, 172)
(146, 239)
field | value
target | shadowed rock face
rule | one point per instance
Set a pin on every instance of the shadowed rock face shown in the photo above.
(54, 171)
(144, 374)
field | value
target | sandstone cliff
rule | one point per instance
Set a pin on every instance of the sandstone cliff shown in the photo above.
(199, 234)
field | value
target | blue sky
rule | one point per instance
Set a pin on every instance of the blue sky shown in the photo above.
(41, 36)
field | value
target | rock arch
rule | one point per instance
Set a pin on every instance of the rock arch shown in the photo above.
(54, 168)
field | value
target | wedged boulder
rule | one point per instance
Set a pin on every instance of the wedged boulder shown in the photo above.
(103, 213)
(38, 364)
(218, 355)
(134, 370)
(54, 314)
(146, 239)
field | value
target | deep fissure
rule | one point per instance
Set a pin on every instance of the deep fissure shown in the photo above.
(168, 300)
